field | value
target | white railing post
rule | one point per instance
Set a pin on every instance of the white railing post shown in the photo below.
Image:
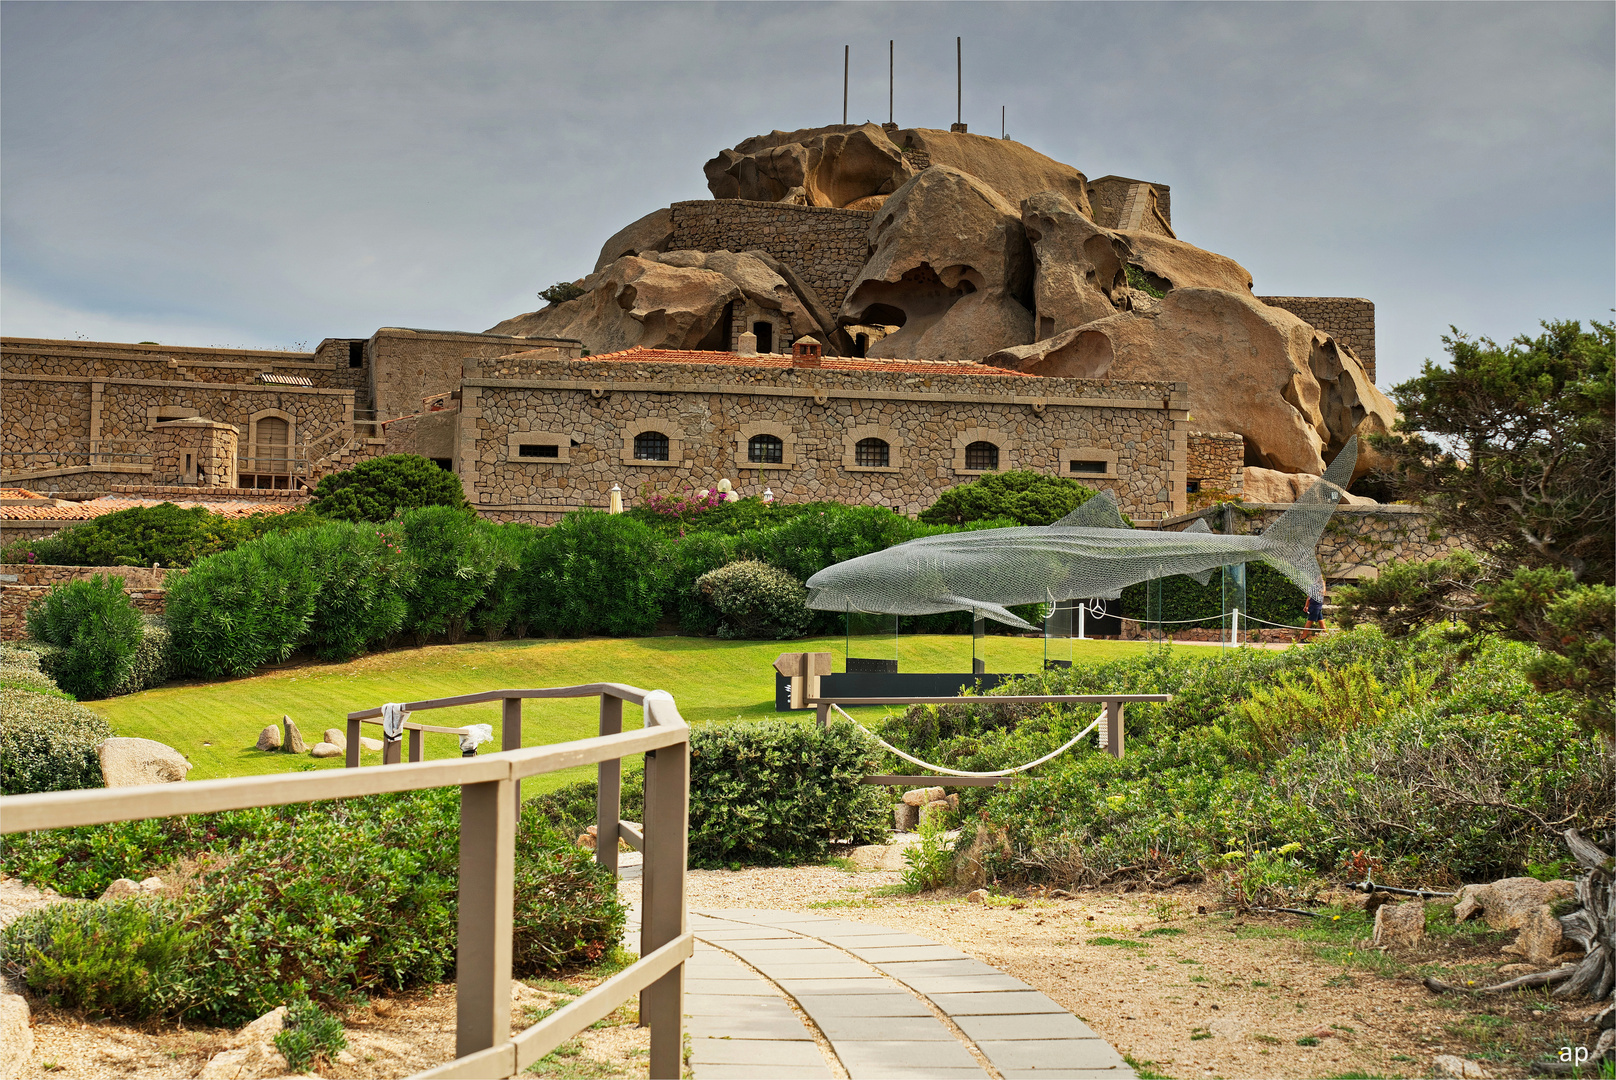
(1234, 626)
(1082, 610)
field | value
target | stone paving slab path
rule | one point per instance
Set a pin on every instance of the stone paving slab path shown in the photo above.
(783, 994)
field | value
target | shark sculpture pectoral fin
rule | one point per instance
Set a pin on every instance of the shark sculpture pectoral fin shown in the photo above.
(996, 612)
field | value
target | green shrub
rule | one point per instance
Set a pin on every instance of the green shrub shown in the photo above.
(153, 660)
(96, 630)
(689, 559)
(131, 957)
(234, 612)
(1023, 496)
(310, 1034)
(930, 863)
(567, 909)
(501, 608)
(28, 677)
(755, 600)
(48, 743)
(453, 561)
(571, 807)
(363, 574)
(780, 792)
(595, 573)
(139, 536)
(1269, 596)
(561, 292)
(379, 489)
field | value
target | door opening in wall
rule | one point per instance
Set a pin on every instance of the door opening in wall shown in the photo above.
(765, 336)
(861, 345)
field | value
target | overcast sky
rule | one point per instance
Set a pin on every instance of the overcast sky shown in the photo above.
(267, 175)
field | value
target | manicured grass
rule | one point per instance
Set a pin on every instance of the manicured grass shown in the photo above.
(216, 725)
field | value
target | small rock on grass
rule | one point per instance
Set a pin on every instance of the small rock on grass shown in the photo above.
(326, 750)
(270, 738)
(335, 737)
(1400, 925)
(977, 896)
(294, 743)
(1457, 1068)
(125, 887)
(366, 743)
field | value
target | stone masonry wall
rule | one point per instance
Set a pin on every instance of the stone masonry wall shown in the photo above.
(825, 246)
(21, 585)
(1350, 320)
(98, 359)
(591, 411)
(409, 365)
(1216, 459)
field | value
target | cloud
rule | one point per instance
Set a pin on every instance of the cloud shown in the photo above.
(270, 173)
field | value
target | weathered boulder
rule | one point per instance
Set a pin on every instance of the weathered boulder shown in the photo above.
(270, 738)
(16, 1036)
(125, 887)
(922, 796)
(878, 856)
(1291, 392)
(1271, 486)
(1081, 269)
(650, 233)
(1457, 1068)
(262, 1030)
(1506, 903)
(255, 1061)
(1540, 939)
(325, 750)
(294, 743)
(905, 817)
(936, 810)
(336, 737)
(1400, 925)
(672, 300)
(951, 267)
(367, 743)
(857, 166)
(132, 762)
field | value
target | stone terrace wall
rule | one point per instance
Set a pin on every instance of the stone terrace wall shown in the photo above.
(21, 585)
(591, 412)
(825, 246)
(1350, 320)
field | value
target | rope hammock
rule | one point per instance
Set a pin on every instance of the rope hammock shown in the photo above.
(956, 772)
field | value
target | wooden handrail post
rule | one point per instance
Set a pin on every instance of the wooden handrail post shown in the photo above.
(510, 736)
(487, 881)
(609, 788)
(392, 749)
(417, 747)
(667, 806)
(1113, 727)
(353, 744)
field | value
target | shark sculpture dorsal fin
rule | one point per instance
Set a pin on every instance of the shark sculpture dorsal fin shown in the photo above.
(1100, 512)
(1333, 484)
(1199, 525)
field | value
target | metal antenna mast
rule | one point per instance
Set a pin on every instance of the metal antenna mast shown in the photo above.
(889, 80)
(847, 52)
(959, 82)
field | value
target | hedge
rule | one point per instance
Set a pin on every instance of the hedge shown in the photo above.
(47, 743)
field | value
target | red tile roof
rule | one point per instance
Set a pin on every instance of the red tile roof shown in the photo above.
(776, 360)
(19, 493)
(108, 504)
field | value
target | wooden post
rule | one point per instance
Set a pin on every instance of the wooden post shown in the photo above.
(510, 737)
(353, 744)
(487, 880)
(417, 744)
(1113, 727)
(662, 915)
(391, 750)
(609, 789)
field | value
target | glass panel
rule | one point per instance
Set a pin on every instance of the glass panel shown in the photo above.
(872, 642)
(1058, 629)
(1234, 599)
(1155, 632)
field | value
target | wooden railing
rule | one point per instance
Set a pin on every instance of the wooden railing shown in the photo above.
(489, 805)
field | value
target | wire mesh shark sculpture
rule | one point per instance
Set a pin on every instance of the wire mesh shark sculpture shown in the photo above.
(1091, 552)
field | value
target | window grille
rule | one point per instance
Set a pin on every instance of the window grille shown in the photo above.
(650, 446)
(872, 452)
(765, 450)
(982, 455)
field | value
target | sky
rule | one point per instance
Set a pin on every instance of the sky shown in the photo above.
(268, 175)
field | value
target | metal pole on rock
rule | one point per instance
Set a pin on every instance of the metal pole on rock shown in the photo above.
(847, 53)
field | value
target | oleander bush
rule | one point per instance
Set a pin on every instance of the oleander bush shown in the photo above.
(153, 661)
(755, 600)
(381, 488)
(47, 743)
(272, 910)
(234, 612)
(96, 631)
(595, 573)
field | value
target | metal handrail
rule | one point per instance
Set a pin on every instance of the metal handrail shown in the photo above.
(489, 810)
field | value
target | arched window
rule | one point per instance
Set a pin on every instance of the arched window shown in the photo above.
(651, 446)
(981, 455)
(872, 452)
(765, 450)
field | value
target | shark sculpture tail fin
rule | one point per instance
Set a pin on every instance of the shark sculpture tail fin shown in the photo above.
(1292, 541)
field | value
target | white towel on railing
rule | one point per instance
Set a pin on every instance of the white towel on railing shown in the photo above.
(475, 736)
(654, 695)
(393, 717)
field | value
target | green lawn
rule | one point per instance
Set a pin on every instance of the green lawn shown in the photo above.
(215, 725)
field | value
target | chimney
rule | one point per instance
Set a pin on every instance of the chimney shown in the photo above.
(805, 352)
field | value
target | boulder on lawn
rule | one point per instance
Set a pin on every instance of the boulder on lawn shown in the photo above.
(270, 738)
(336, 737)
(133, 762)
(125, 887)
(367, 743)
(326, 750)
(1400, 925)
(294, 743)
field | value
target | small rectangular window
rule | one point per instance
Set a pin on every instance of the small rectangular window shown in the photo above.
(356, 354)
(1192, 486)
(539, 450)
(446, 464)
(1092, 468)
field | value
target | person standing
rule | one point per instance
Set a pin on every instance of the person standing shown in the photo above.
(1314, 610)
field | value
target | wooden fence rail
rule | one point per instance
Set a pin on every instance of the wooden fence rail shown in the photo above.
(489, 809)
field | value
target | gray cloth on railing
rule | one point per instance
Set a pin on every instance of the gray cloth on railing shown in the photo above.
(475, 736)
(393, 717)
(654, 695)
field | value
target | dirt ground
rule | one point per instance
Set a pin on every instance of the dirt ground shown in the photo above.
(1180, 984)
